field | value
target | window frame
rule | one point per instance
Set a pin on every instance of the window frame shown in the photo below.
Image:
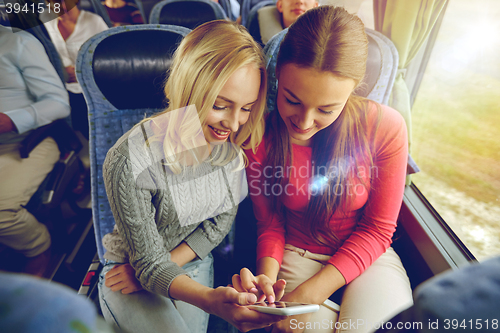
(436, 242)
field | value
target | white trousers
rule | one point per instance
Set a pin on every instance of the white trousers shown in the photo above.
(19, 180)
(380, 292)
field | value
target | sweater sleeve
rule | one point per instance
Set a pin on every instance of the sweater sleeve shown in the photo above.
(211, 232)
(134, 214)
(373, 233)
(270, 226)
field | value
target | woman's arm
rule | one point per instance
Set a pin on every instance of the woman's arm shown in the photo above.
(270, 226)
(373, 233)
(182, 254)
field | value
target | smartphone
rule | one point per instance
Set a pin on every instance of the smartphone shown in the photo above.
(284, 308)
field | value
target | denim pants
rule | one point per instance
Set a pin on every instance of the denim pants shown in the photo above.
(146, 312)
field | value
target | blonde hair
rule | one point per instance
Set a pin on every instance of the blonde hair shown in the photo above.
(204, 61)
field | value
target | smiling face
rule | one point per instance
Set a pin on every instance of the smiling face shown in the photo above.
(292, 9)
(309, 100)
(233, 105)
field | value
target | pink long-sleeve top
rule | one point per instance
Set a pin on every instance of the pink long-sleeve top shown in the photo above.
(361, 238)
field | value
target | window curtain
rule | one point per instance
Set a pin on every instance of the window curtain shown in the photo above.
(407, 23)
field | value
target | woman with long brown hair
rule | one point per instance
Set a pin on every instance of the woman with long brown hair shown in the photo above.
(327, 182)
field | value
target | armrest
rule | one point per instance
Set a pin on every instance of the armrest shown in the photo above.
(59, 130)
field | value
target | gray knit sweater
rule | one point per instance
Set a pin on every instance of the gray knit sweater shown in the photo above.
(155, 209)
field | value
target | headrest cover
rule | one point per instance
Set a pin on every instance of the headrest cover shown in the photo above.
(466, 294)
(130, 68)
(189, 14)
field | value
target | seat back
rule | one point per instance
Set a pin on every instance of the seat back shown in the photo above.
(252, 22)
(186, 13)
(246, 7)
(147, 7)
(381, 67)
(122, 72)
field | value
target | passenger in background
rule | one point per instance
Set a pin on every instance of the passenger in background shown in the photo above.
(31, 95)
(273, 19)
(174, 183)
(123, 13)
(235, 8)
(68, 32)
(327, 183)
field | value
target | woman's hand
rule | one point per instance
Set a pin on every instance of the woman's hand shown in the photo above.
(230, 305)
(261, 285)
(295, 324)
(292, 324)
(122, 277)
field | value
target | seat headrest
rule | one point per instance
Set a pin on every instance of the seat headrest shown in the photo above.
(189, 14)
(130, 68)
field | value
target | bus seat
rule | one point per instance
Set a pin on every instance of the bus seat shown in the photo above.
(95, 6)
(147, 7)
(186, 13)
(122, 71)
(381, 67)
(246, 7)
(252, 22)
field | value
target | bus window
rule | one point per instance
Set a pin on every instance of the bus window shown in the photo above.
(456, 125)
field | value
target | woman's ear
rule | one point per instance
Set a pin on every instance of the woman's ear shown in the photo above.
(279, 6)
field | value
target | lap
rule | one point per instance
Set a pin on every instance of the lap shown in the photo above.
(380, 292)
(145, 312)
(21, 177)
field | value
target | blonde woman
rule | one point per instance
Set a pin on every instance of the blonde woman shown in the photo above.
(174, 182)
(327, 183)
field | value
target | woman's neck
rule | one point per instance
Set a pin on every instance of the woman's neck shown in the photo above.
(67, 22)
(115, 3)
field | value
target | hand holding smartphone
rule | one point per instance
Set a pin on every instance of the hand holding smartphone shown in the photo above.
(284, 308)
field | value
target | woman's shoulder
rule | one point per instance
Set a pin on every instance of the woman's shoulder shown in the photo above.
(387, 125)
(132, 143)
(384, 117)
(93, 20)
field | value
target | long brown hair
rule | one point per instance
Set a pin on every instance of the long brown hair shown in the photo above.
(327, 39)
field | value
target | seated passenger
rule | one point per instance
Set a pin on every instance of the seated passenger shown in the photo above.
(235, 8)
(327, 182)
(273, 19)
(174, 183)
(123, 13)
(31, 95)
(68, 32)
